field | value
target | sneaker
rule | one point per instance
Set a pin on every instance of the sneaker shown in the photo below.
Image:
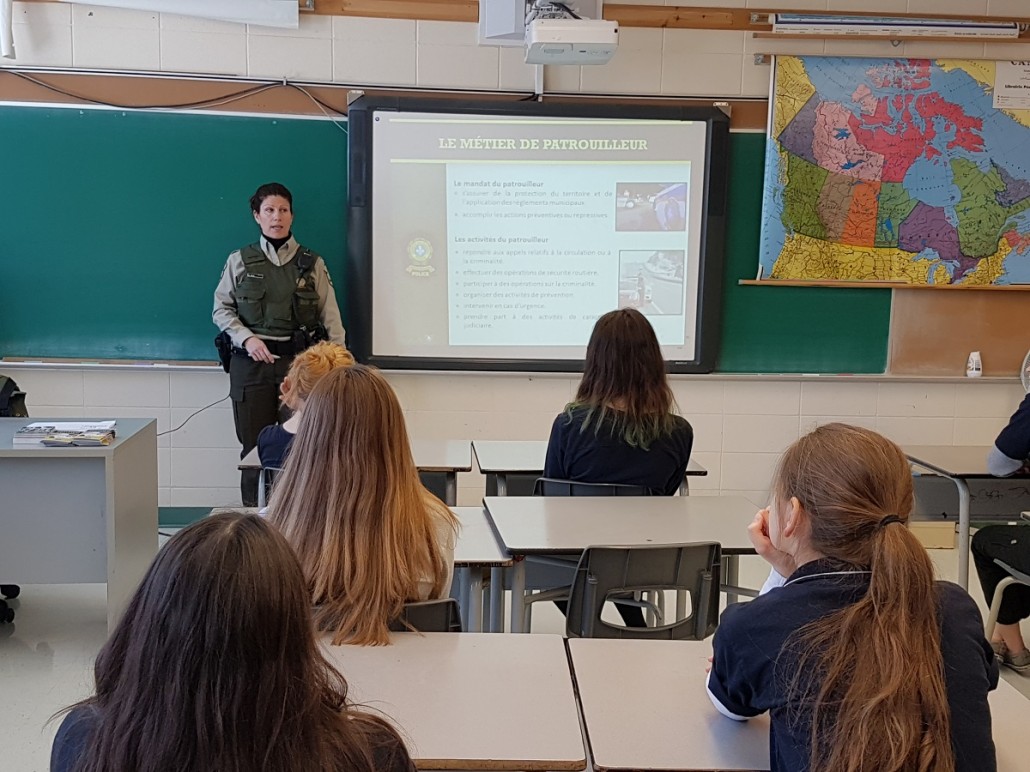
(1000, 649)
(1019, 662)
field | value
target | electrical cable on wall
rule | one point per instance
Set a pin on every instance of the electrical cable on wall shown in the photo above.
(225, 99)
(195, 412)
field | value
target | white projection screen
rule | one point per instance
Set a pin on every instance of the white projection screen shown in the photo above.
(492, 235)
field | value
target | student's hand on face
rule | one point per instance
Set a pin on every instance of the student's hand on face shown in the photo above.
(758, 532)
(257, 350)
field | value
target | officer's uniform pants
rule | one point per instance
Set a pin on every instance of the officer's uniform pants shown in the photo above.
(254, 388)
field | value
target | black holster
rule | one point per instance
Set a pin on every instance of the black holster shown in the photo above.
(223, 345)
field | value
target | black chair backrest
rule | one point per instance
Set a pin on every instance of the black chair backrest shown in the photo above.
(435, 483)
(549, 486)
(429, 616)
(605, 573)
(12, 400)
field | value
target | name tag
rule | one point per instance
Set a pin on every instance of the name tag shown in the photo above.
(255, 276)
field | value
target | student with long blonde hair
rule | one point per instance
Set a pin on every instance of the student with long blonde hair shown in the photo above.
(865, 663)
(369, 536)
(307, 369)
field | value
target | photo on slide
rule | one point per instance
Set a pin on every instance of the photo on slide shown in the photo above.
(650, 206)
(652, 281)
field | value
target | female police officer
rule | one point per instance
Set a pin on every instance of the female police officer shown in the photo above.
(275, 298)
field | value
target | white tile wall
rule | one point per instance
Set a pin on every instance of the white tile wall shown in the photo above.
(182, 50)
(1015, 8)
(43, 33)
(362, 51)
(911, 399)
(740, 425)
(636, 67)
(302, 58)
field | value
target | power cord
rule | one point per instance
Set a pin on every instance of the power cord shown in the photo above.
(197, 412)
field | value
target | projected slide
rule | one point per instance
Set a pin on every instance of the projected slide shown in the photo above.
(506, 237)
(530, 252)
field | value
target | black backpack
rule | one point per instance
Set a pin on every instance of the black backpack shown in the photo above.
(12, 401)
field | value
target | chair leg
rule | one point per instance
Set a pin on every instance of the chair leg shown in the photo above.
(992, 615)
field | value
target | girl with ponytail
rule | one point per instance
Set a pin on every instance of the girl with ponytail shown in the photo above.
(865, 663)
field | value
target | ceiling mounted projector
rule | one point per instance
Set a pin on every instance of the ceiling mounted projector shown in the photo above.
(571, 41)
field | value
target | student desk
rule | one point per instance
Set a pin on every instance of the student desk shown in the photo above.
(499, 458)
(547, 525)
(645, 706)
(471, 700)
(682, 730)
(476, 549)
(80, 515)
(447, 457)
(959, 464)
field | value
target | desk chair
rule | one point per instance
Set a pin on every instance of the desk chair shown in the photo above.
(549, 571)
(605, 573)
(435, 483)
(1014, 577)
(429, 616)
(9, 591)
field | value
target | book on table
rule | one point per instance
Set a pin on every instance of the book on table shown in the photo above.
(66, 433)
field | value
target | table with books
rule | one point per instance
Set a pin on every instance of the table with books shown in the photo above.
(83, 511)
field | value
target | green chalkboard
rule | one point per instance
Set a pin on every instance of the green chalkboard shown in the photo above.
(788, 329)
(117, 223)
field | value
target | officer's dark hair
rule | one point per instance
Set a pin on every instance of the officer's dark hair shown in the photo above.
(269, 189)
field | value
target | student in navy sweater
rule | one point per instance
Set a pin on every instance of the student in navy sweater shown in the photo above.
(621, 427)
(214, 666)
(864, 662)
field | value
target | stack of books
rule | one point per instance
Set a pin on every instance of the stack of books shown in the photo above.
(65, 433)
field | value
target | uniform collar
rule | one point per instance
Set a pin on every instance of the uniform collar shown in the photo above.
(284, 254)
(827, 567)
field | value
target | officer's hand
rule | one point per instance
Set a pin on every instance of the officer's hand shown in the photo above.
(257, 350)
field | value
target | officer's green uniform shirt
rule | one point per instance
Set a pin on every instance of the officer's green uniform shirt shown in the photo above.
(226, 316)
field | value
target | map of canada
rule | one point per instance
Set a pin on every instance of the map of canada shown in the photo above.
(897, 170)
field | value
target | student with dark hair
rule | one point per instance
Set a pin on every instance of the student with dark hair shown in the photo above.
(214, 667)
(1011, 545)
(1008, 543)
(275, 298)
(621, 427)
(863, 660)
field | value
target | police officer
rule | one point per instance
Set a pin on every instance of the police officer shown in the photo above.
(275, 298)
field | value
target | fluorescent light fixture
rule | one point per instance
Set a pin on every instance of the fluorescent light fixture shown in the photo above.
(887, 26)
